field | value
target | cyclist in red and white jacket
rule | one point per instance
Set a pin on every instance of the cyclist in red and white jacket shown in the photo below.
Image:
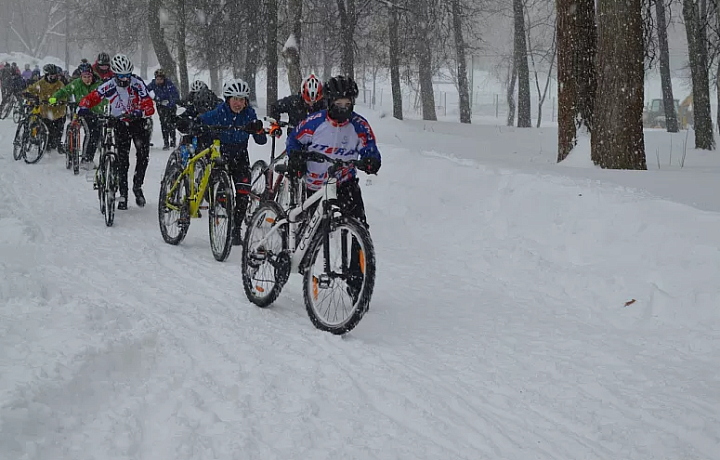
(129, 101)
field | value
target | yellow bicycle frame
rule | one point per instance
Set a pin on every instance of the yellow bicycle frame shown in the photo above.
(196, 196)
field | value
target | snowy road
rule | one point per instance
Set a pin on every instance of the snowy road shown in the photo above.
(498, 328)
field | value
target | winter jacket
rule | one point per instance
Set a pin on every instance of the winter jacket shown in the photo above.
(15, 83)
(122, 100)
(77, 89)
(106, 75)
(222, 115)
(165, 92)
(318, 133)
(296, 108)
(199, 102)
(27, 75)
(44, 90)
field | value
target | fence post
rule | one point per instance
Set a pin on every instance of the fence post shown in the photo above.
(497, 106)
(445, 103)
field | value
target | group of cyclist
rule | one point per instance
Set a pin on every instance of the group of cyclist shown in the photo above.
(322, 115)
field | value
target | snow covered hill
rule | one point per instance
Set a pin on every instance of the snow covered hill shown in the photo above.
(522, 310)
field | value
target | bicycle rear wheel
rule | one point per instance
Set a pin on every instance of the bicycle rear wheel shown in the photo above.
(76, 149)
(220, 215)
(266, 266)
(110, 187)
(174, 208)
(38, 136)
(20, 141)
(339, 276)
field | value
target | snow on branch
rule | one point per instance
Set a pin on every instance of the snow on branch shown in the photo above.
(290, 43)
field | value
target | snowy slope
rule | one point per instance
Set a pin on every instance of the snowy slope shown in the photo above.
(498, 328)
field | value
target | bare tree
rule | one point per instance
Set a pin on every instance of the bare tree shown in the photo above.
(463, 90)
(293, 43)
(617, 135)
(424, 57)
(271, 53)
(162, 51)
(521, 66)
(671, 122)
(697, 50)
(182, 53)
(576, 71)
(348, 21)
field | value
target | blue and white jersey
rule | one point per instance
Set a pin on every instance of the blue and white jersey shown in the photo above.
(348, 141)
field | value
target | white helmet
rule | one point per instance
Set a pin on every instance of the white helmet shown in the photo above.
(197, 85)
(236, 88)
(120, 64)
(311, 89)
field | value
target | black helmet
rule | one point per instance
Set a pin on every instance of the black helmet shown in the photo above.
(50, 69)
(340, 87)
(103, 59)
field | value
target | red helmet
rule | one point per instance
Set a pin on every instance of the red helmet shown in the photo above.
(311, 89)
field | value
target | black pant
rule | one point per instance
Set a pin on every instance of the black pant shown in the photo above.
(350, 200)
(135, 131)
(55, 131)
(167, 123)
(239, 166)
(91, 140)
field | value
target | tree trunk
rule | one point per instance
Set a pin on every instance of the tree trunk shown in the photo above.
(144, 51)
(271, 54)
(521, 64)
(465, 112)
(212, 60)
(348, 20)
(424, 54)
(292, 46)
(511, 94)
(182, 53)
(671, 121)
(393, 25)
(576, 71)
(327, 50)
(158, 40)
(699, 71)
(617, 135)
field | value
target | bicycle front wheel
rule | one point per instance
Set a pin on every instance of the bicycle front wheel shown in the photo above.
(20, 142)
(220, 215)
(110, 187)
(174, 204)
(38, 137)
(265, 264)
(68, 146)
(17, 111)
(339, 276)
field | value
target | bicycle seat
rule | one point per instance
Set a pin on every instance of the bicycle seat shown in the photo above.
(281, 168)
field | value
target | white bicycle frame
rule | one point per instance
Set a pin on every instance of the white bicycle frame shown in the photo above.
(299, 246)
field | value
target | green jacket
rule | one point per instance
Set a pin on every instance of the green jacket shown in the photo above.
(79, 89)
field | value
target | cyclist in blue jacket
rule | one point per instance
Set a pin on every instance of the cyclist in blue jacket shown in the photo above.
(236, 111)
(166, 97)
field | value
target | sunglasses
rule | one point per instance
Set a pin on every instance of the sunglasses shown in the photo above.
(124, 76)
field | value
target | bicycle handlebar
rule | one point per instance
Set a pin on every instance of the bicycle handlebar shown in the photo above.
(280, 123)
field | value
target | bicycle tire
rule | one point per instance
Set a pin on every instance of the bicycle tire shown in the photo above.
(19, 141)
(39, 139)
(68, 146)
(75, 156)
(182, 193)
(361, 304)
(16, 111)
(110, 187)
(259, 188)
(5, 110)
(253, 258)
(222, 197)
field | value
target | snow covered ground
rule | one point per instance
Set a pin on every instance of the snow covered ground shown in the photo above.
(523, 310)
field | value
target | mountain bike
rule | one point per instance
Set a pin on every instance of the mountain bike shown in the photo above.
(331, 249)
(76, 135)
(107, 176)
(181, 196)
(263, 183)
(11, 105)
(31, 135)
